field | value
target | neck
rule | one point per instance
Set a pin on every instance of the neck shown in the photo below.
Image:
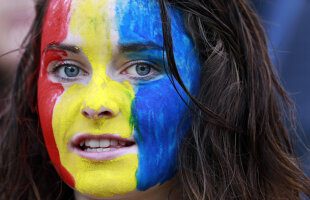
(169, 190)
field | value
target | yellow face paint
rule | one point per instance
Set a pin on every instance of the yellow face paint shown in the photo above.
(92, 20)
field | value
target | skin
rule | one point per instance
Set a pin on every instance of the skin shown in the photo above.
(108, 41)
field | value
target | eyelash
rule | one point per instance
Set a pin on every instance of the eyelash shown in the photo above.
(147, 77)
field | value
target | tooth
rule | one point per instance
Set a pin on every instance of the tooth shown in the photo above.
(93, 150)
(99, 150)
(111, 149)
(82, 143)
(122, 143)
(104, 143)
(88, 149)
(87, 142)
(106, 149)
(94, 143)
(114, 142)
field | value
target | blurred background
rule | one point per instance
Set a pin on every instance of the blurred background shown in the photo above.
(15, 19)
(287, 27)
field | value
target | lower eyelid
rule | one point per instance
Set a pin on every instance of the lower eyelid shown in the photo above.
(150, 77)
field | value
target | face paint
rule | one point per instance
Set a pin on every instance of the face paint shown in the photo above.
(54, 31)
(158, 110)
(118, 175)
(120, 40)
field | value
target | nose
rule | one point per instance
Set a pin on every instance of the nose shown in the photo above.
(103, 112)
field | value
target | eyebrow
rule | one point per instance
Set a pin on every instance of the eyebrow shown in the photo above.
(65, 47)
(122, 48)
(139, 47)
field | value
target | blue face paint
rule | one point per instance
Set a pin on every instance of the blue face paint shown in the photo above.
(160, 116)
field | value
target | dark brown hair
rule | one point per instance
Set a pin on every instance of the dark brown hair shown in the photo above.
(240, 143)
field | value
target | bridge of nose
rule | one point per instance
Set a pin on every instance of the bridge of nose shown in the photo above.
(91, 20)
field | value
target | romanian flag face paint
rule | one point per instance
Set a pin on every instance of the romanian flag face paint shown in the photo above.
(111, 118)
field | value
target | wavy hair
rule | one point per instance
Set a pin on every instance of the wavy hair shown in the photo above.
(239, 146)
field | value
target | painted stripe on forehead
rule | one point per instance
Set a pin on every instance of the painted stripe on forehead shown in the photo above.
(56, 20)
(91, 20)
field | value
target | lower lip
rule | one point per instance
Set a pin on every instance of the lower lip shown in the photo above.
(106, 155)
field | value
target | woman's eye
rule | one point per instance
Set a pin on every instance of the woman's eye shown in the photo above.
(67, 72)
(141, 70)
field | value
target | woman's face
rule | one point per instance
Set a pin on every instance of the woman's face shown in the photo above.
(111, 118)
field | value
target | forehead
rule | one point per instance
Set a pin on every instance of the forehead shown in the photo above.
(102, 27)
(124, 20)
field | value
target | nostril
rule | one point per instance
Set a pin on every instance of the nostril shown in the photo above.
(93, 114)
(105, 114)
(85, 114)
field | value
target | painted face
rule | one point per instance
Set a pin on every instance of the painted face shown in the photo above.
(111, 118)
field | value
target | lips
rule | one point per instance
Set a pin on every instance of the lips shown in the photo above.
(101, 147)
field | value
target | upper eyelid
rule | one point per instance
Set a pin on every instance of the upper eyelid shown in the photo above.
(52, 66)
(133, 62)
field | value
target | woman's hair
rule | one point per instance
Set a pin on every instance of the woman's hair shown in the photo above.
(239, 146)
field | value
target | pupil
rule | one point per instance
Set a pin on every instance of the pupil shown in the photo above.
(143, 69)
(72, 71)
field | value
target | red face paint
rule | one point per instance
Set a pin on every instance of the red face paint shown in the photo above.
(55, 30)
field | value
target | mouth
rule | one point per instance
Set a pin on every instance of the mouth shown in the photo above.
(102, 147)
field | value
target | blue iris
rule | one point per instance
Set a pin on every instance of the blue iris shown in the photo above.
(72, 71)
(143, 69)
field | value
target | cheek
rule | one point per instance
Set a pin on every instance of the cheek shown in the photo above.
(158, 112)
(48, 93)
